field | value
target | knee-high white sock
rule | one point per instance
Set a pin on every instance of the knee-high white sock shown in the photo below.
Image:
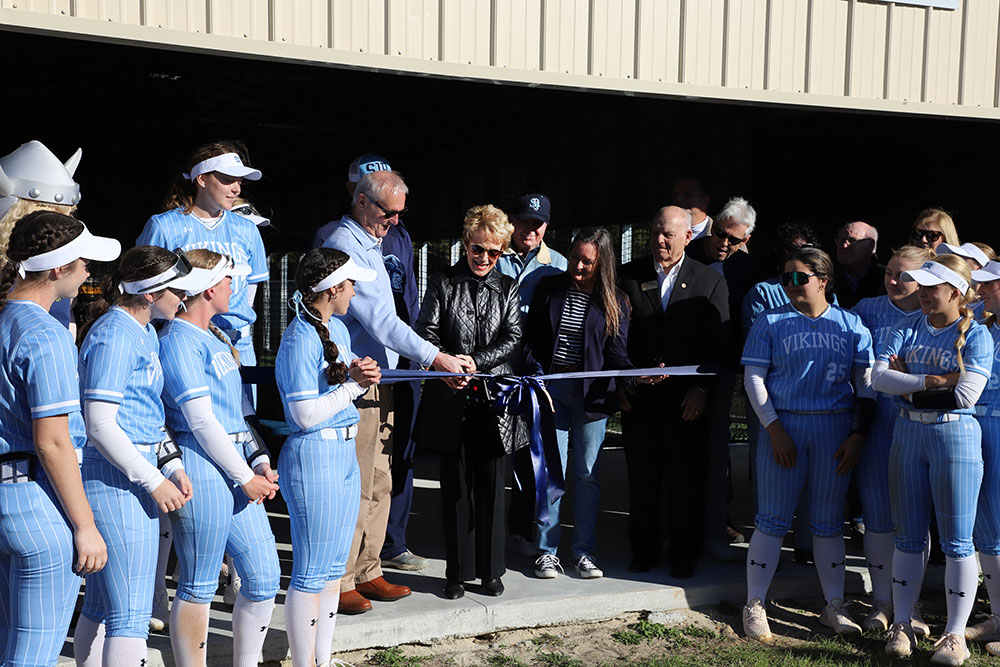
(189, 633)
(961, 578)
(88, 642)
(125, 652)
(301, 620)
(163, 552)
(329, 600)
(991, 575)
(250, 622)
(878, 553)
(907, 577)
(762, 561)
(829, 554)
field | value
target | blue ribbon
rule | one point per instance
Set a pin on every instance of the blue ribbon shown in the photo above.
(527, 397)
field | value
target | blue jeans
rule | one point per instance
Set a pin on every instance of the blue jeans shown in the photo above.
(588, 436)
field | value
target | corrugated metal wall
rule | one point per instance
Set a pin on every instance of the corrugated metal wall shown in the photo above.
(850, 53)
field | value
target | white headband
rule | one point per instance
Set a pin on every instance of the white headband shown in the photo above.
(202, 279)
(86, 245)
(181, 268)
(347, 271)
(229, 164)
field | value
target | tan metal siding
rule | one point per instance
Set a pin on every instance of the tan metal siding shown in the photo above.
(865, 54)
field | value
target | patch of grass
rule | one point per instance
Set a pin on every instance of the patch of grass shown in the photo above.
(627, 637)
(501, 660)
(700, 633)
(547, 639)
(557, 660)
(648, 630)
(393, 657)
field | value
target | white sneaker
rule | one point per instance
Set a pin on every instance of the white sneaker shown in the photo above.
(522, 547)
(951, 650)
(160, 618)
(917, 622)
(836, 617)
(587, 568)
(879, 618)
(755, 624)
(900, 641)
(987, 630)
(547, 566)
(232, 590)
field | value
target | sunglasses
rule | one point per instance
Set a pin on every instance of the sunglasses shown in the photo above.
(386, 213)
(477, 249)
(928, 234)
(723, 236)
(798, 278)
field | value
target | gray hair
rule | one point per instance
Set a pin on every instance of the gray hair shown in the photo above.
(739, 211)
(378, 185)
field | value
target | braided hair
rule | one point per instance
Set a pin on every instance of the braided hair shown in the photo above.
(137, 263)
(34, 234)
(959, 266)
(206, 259)
(314, 266)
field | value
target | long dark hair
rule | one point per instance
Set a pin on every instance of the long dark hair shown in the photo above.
(34, 234)
(137, 263)
(818, 262)
(314, 266)
(182, 191)
(606, 284)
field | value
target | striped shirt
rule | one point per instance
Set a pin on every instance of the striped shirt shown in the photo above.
(569, 338)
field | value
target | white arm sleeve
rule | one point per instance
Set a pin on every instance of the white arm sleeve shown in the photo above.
(171, 467)
(312, 411)
(251, 294)
(969, 388)
(888, 381)
(753, 382)
(861, 378)
(109, 438)
(214, 440)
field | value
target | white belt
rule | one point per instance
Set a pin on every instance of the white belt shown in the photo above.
(986, 411)
(342, 433)
(929, 416)
(242, 436)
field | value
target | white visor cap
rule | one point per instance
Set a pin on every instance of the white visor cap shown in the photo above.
(989, 272)
(200, 280)
(935, 273)
(966, 250)
(347, 271)
(229, 164)
(85, 246)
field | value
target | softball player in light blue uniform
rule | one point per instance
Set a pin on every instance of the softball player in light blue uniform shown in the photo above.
(936, 451)
(321, 482)
(801, 360)
(44, 514)
(205, 408)
(880, 315)
(121, 382)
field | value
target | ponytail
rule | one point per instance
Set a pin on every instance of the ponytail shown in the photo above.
(217, 332)
(336, 370)
(7, 276)
(966, 314)
(102, 304)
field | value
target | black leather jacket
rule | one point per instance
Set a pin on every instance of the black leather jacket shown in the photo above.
(480, 317)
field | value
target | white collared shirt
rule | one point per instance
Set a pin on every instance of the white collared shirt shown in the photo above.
(701, 229)
(666, 280)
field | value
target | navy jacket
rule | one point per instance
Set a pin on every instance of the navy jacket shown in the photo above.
(600, 352)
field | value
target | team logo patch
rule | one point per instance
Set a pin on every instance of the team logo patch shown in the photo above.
(535, 203)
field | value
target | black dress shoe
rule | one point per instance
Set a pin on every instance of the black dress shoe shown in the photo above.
(454, 590)
(493, 587)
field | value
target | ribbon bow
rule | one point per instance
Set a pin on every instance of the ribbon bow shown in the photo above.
(527, 397)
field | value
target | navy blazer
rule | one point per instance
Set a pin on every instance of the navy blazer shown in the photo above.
(600, 351)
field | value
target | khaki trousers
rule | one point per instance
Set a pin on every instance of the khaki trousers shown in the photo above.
(373, 445)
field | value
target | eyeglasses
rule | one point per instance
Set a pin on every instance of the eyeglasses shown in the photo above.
(798, 278)
(929, 234)
(723, 236)
(477, 249)
(386, 213)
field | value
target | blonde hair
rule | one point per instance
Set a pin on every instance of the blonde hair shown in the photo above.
(915, 254)
(959, 266)
(990, 253)
(489, 220)
(943, 220)
(21, 208)
(202, 258)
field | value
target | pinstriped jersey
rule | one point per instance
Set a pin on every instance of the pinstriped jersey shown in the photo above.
(880, 315)
(196, 363)
(809, 360)
(38, 376)
(927, 350)
(120, 363)
(231, 235)
(991, 395)
(299, 369)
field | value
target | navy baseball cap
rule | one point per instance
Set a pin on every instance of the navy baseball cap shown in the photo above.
(366, 164)
(532, 207)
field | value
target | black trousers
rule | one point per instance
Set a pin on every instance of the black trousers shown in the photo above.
(472, 511)
(521, 513)
(667, 460)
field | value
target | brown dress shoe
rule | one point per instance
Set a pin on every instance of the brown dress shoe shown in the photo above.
(381, 590)
(352, 603)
